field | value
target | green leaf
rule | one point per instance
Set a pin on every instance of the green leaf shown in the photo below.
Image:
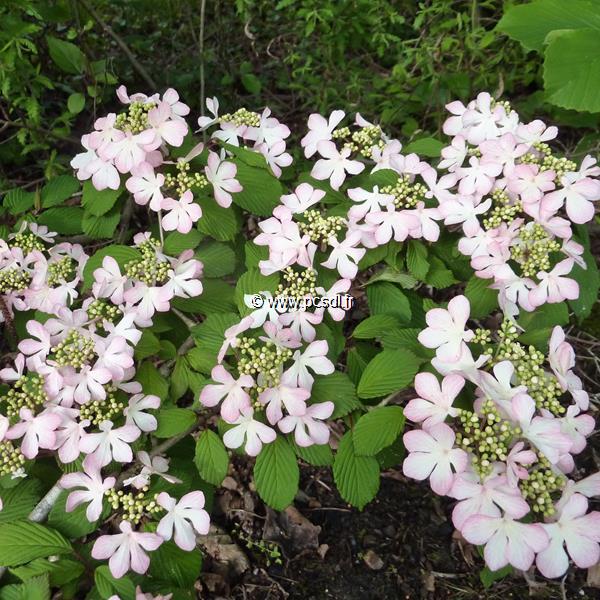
(375, 326)
(18, 201)
(439, 276)
(483, 300)
(103, 227)
(261, 192)
(531, 23)
(152, 381)
(176, 566)
(22, 541)
(210, 333)
(316, 455)
(20, 500)
(589, 284)
(66, 55)
(392, 275)
(390, 371)
(176, 243)
(572, 69)
(377, 429)
(426, 146)
(223, 224)
(211, 458)
(336, 388)
(276, 474)
(416, 259)
(218, 258)
(356, 477)
(36, 588)
(217, 296)
(149, 345)
(76, 103)
(254, 254)
(72, 524)
(122, 254)
(388, 299)
(488, 577)
(544, 317)
(59, 189)
(253, 282)
(251, 157)
(252, 83)
(67, 220)
(172, 421)
(98, 202)
(406, 339)
(108, 586)
(59, 571)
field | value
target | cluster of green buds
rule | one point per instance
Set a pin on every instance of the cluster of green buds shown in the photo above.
(270, 550)
(362, 140)
(534, 249)
(241, 116)
(505, 104)
(11, 459)
(13, 280)
(60, 271)
(102, 309)
(135, 119)
(184, 180)
(133, 506)
(75, 350)
(98, 411)
(482, 337)
(539, 486)
(486, 436)
(406, 194)
(149, 269)
(298, 284)
(503, 210)
(26, 392)
(27, 241)
(319, 228)
(548, 161)
(263, 361)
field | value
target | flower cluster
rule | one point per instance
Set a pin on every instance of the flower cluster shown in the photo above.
(499, 434)
(513, 194)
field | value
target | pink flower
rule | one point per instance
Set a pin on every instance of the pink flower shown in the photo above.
(432, 455)
(231, 335)
(292, 398)
(344, 255)
(37, 431)
(465, 210)
(320, 130)
(276, 156)
(184, 277)
(181, 214)
(553, 286)
(307, 429)
(172, 131)
(315, 358)
(110, 444)
(109, 283)
(434, 403)
(254, 433)
(135, 415)
(578, 195)
(580, 532)
(157, 465)
(183, 517)
(506, 541)
(38, 346)
(221, 174)
(303, 197)
(149, 299)
(453, 156)
(94, 490)
(126, 550)
(485, 498)
(10, 374)
(236, 398)
(426, 227)
(335, 164)
(115, 355)
(479, 177)
(130, 151)
(391, 222)
(514, 461)
(446, 330)
(372, 201)
(146, 186)
(530, 183)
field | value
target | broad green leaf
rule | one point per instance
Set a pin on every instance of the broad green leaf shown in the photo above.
(20, 500)
(149, 345)
(218, 259)
(589, 283)
(572, 69)
(261, 192)
(18, 201)
(108, 586)
(122, 254)
(489, 577)
(211, 457)
(407, 339)
(152, 381)
(175, 566)
(392, 275)
(211, 332)
(59, 571)
(439, 275)
(66, 55)
(254, 254)
(59, 189)
(67, 220)
(253, 282)
(23, 541)
(173, 421)
(316, 455)
(375, 326)
(76, 103)
(356, 477)
(544, 317)
(377, 429)
(416, 259)
(223, 224)
(72, 524)
(252, 83)
(336, 388)
(390, 371)
(98, 202)
(176, 243)
(531, 23)
(102, 227)
(388, 299)
(482, 298)
(426, 146)
(217, 296)
(36, 588)
(276, 474)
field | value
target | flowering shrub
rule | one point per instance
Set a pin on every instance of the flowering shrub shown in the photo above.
(235, 315)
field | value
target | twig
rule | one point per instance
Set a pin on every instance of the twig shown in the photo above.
(120, 42)
(10, 326)
(125, 219)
